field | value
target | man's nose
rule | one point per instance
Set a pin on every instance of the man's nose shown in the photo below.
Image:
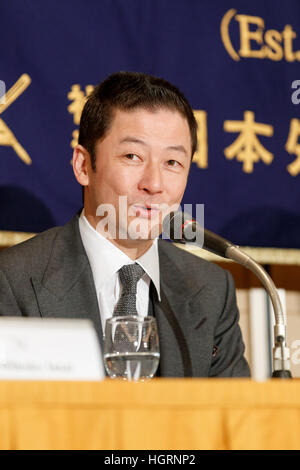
(152, 179)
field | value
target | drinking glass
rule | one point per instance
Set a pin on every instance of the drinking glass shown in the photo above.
(131, 347)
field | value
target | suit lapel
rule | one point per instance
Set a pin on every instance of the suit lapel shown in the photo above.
(67, 289)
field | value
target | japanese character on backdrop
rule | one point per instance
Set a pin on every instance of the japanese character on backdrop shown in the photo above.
(78, 98)
(293, 146)
(247, 148)
(200, 156)
(6, 135)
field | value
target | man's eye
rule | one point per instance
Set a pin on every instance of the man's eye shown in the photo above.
(132, 156)
(173, 163)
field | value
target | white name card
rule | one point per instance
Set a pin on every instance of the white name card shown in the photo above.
(49, 349)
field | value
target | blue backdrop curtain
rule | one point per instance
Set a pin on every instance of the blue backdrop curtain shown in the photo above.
(238, 64)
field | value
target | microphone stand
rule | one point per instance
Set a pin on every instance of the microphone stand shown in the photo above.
(224, 248)
(181, 228)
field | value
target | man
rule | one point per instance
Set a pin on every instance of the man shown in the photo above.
(137, 138)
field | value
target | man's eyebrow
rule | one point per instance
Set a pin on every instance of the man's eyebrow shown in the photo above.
(178, 148)
(132, 140)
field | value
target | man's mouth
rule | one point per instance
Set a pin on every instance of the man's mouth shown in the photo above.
(147, 211)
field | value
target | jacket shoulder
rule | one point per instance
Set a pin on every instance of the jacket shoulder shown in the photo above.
(30, 253)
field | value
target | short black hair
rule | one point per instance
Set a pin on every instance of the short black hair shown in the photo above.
(127, 91)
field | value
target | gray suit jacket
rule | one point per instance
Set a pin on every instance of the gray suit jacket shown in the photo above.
(50, 276)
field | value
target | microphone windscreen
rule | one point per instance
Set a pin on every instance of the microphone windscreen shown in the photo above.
(181, 228)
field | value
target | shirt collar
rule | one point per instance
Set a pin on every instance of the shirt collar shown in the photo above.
(101, 252)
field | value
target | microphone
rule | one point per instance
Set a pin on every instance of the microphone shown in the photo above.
(182, 228)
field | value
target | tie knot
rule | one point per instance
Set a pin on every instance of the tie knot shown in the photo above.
(130, 274)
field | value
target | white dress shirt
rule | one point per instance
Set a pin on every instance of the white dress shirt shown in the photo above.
(106, 259)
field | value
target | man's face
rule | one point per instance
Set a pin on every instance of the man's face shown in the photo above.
(146, 157)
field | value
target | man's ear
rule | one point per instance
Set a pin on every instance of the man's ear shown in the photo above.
(80, 162)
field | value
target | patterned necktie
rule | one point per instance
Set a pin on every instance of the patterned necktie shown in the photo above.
(129, 275)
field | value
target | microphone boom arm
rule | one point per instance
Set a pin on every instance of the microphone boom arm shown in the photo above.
(184, 228)
(281, 354)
